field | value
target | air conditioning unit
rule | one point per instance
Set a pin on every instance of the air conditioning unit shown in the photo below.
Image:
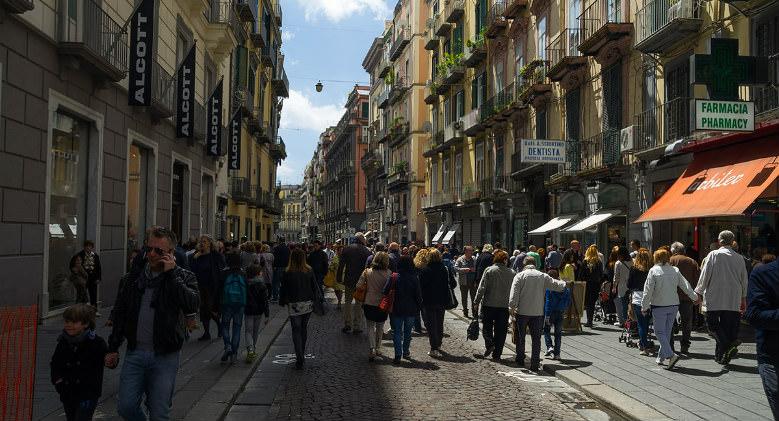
(626, 137)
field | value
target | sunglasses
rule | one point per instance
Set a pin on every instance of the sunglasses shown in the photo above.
(156, 250)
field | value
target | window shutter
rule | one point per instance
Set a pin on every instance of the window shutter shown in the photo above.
(475, 93)
(572, 125)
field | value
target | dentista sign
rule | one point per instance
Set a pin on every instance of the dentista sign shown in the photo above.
(726, 116)
(539, 151)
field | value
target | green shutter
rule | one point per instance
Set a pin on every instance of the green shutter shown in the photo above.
(458, 39)
(475, 93)
(240, 66)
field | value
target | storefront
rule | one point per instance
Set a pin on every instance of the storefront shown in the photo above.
(731, 183)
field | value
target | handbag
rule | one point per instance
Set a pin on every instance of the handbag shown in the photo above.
(388, 300)
(360, 291)
(473, 330)
(452, 302)
(318, 301)
(329, 280)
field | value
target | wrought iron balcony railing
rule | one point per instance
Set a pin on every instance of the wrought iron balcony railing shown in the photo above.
(662, 124)
(661, 24)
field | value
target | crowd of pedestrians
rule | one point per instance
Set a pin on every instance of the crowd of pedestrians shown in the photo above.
(529, 290)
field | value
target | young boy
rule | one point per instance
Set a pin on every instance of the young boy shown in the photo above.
(77, 363)
(555, 306)
(256, 306)
(232, 299)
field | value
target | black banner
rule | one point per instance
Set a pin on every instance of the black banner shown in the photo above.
(141, 49)
(185, 97)
(235, 142)
(214, 126)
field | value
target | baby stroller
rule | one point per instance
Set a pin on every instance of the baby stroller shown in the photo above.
(605, 310)
(629, 333)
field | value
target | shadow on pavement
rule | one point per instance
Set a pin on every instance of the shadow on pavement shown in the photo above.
(698, 372)
(455, 358)
(742, 369)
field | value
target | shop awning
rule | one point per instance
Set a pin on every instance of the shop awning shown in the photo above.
(439, 234)
(450, 234)
(592, 220)
(719, 182)
(553, 224)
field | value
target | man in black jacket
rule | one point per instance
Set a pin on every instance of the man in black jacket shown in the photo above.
(350, 266)
(280, 262)
(762, 312)
(150, 313)
(319, 262)
(483, 261)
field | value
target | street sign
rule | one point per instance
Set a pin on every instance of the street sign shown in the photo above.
(540, 151)
(727, 116)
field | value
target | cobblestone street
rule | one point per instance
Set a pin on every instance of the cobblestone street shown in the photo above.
(338, 382)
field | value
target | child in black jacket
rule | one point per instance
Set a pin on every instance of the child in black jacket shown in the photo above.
(256, 306)
(77, 363)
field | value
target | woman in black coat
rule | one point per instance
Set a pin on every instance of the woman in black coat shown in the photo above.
(592, 273)
(435, 284)
(406, 307)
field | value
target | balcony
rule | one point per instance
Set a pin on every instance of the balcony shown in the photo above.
(223, 27)
(565, 57)
(258, 36)
(163, 93)
(17, 6)
(471, 123)
(398, 134)
(98, 42)
(453, 74)
(453, 133)
(243, 99)
(534, 83)
(268, 56)
(398, 88)
(402, 38)
(431, 92)
(280, 82)
(662, 24)
(657, 127)
(277, 149)
(514, 8)
(431, 39)
(254, 121)
(454, 10)
(277, 12)
(604, 22)
(441, 26)
(384, 67)
(497, 108)
(441, 198)
(600, 152)
(370, 161)
(240, 190)
(383, 99)
(475, 52)
(435, 145)
(767, 97)
(496, 22)
(397, 180)
(246, 10)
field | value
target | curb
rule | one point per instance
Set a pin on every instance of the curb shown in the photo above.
(625, 406)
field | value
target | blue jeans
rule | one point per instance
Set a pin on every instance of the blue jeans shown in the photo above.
(664, 325)
(621, 303)
(232, 314)
(556, 320)
(643, 326)
(144, 373)
(401, 334)
(768, 374)
(278, 273)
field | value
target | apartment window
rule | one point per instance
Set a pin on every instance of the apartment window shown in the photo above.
(460, 104)
(435, 8)
(447, 111)
(446, 183)
(519, 56)
(479, 160)
(434, 63)
(458, 172)
(481, 15)
(179, 207)
(365, 109)
(475, 93)
(434, 177)
(458, 38)
(573, 128)
(541, 123)
(69, 196)
(499, 75)
(239, 62)
(766, 44)
(499, 155)
(447, 47)
(248, 230)
(612, 101)
(542, 38)
(677, 113)
(209, 77)
(574, 10)
(482, 88)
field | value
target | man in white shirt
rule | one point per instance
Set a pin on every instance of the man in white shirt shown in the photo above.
(723, 284)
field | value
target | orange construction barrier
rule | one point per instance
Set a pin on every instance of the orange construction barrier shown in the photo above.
(18, 330)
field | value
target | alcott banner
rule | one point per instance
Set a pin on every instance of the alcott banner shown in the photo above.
(214, 127)
(185, 97)
(141, 48)
(235, 141)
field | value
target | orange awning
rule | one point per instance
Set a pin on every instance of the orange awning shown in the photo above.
(718, 182)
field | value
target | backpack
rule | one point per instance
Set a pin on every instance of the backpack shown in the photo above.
(234, 292)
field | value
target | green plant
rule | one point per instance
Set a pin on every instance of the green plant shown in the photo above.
(389, 79)
(400, 167)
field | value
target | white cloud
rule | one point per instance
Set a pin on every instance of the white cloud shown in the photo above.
(300, 113)
(287, 35)
(337, 10)
(289, 61)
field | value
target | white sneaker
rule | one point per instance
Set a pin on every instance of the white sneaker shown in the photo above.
(549, 352)
(617, 324)
(659, 361)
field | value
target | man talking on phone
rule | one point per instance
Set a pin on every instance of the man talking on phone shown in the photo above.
(151, 312)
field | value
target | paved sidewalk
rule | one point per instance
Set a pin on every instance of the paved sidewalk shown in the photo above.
(697, 389)
(204, 387)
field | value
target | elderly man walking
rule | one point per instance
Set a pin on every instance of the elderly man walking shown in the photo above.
(723, 284)
(350, 266)
(526, 303)
(689, 269)
(494, 290)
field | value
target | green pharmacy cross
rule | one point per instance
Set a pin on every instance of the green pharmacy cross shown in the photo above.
(723, 71)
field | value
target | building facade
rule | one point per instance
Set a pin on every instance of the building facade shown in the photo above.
(292, 212)
(343, 182)
(82, 164)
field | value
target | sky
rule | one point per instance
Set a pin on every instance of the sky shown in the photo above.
(322, 40)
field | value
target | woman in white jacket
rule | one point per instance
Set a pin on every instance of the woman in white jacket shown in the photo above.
(660, 295)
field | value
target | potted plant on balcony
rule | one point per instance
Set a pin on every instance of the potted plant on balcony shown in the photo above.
(389, 79)
(400, 167)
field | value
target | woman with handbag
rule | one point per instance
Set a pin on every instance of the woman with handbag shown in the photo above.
(300, 292)
(374, 279)
(620, 286)
(436, 285)
(406, 305)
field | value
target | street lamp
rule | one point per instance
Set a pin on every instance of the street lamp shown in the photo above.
(318, 86)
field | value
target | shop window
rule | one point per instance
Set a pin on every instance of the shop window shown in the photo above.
(206, 205)
(179, 209)
(140, 194)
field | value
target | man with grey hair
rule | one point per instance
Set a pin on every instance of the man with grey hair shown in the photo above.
(526, 303)
(689, 269)
(723, 284)
(350, 267)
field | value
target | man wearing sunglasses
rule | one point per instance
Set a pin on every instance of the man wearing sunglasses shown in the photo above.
(150, 312)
